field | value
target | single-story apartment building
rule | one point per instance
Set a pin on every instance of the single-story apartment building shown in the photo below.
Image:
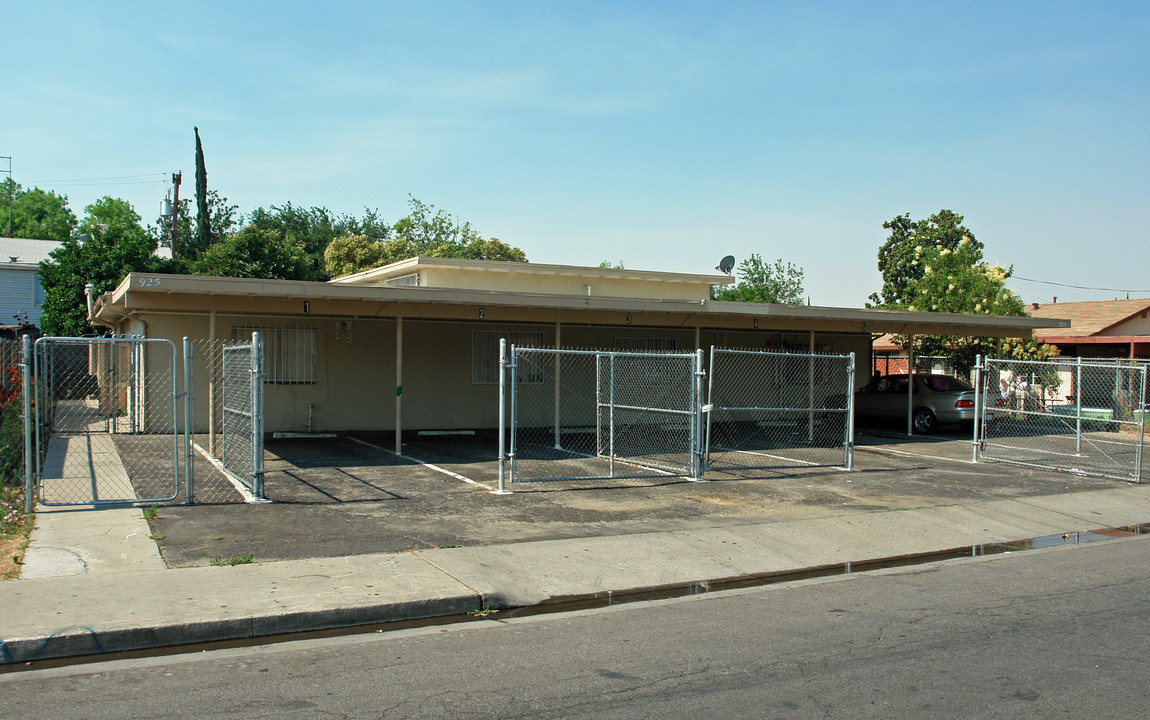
(414, 345)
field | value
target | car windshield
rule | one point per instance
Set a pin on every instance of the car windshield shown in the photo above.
(945, 383)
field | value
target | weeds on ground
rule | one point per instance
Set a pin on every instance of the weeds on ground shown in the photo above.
(15, 527)
(221, 561)
(150, 512)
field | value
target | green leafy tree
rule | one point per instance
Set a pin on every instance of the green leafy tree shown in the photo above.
(203, 222)
(433, 233)
(254, 252)
(351, 254)
(224, 218)
(35, 214)
(761, 282)
(898, 258)
(109, 245)
(315, 228)
(958, 280)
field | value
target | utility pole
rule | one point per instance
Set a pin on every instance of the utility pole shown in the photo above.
(176, 177)
(8, 230)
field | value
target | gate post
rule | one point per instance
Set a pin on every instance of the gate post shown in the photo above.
(26, 393)
(189, 406)
(850, 423)
(697, 466)
(979, 405)
(257, 386)
(502, 417)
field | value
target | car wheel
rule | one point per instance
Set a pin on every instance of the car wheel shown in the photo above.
(924, 421)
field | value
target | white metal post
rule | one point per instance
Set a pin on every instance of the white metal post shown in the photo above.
(910, 386)
(811, 389)
(558, 369)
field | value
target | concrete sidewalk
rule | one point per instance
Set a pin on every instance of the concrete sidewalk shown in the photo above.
(110, 606)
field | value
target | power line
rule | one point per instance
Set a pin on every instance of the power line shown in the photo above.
(98, 179)
(1077, 287)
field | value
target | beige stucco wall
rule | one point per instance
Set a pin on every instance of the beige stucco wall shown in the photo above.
(356, 370)
(1138, 325)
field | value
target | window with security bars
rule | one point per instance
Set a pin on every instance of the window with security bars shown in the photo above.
(289, 353)
(485, 355)
(645, 344)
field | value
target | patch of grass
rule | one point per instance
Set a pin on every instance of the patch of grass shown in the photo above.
(221, 561)
(15, 529)
(481, 613)
(446, 547)
(218, 537)
(157, 538)
(150, 512)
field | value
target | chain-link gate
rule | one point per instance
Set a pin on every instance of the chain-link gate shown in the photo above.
(105, 421)
(241, 442)
(770, 410)
(586, 414)
(1073, 415)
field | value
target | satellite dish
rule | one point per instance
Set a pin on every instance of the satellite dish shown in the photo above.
(726, 264)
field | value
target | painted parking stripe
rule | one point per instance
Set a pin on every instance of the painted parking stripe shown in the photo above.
(427, 465)
(877, 449)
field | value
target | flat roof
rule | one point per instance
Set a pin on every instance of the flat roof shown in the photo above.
(406, 267)
(141, 292)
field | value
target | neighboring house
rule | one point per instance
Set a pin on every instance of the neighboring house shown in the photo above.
(1100, 329)
(21, 295)
(342, 354)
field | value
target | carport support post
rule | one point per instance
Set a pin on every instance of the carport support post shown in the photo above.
(910, 386)
(214, 352)
(399, 385)
(811, 390)
(26, 392)
(558, 363)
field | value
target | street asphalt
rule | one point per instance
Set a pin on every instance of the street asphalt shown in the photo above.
(359, 537)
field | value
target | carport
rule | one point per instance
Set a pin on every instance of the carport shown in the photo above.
(413, 345)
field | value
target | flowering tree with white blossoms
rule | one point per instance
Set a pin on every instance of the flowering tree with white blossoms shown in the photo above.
(942, 270)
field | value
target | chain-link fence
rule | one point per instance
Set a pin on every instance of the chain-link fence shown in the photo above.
(228, 425)
(923, 364)
(1073, 415)
(114, 420)
(583, 414)
(768, 410)
(105, 428)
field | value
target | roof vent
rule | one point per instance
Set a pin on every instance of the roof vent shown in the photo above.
(13, 258)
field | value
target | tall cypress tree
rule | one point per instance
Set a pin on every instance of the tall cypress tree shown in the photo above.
(203, 221)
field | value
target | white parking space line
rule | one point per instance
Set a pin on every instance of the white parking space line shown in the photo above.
(877, 448)
(427, 465)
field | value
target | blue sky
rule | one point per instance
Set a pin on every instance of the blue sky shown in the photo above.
(661, 135)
